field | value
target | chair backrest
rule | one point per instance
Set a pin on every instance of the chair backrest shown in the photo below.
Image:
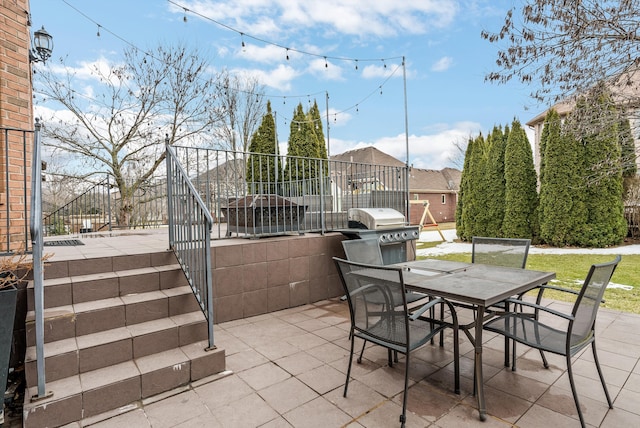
(363, 251)
(508, 252)
(586, 306)
(377, 300)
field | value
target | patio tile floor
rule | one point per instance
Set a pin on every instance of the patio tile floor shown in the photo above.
(287, 369)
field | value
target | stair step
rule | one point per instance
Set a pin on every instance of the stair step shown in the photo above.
(97, 391)
(89, 352)
(94, 316)
(103, 285)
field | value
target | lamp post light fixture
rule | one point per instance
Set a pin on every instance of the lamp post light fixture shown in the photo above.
(42, 46)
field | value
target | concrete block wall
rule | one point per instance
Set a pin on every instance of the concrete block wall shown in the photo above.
(253, 277)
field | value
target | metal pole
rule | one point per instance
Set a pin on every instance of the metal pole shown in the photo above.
(322, 216)
(406, 131)
(38, 267)
(170, 183)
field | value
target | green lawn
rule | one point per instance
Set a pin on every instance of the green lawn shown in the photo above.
(571, 269)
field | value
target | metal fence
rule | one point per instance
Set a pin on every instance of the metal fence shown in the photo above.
(15, 189)
(253, 194)
(190, 225)
(101, 208)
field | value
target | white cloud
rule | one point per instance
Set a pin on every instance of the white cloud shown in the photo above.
(430, 151)
(381, 18)
(279, 78)
(325, 69)
(443, 64)
(375, 71)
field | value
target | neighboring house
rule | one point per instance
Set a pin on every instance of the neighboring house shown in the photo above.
(439, 188)
(625, 90)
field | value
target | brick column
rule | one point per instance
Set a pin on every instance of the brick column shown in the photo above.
(16, 112)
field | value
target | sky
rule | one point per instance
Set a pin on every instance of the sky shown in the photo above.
(359, 87)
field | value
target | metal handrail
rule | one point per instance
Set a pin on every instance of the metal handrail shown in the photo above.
(190, 226)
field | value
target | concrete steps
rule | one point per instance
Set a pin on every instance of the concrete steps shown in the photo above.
(116, 331)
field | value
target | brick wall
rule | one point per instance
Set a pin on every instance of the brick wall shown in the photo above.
(15, 113)
(254, 277)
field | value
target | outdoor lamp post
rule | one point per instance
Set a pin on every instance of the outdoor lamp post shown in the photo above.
(42, 46)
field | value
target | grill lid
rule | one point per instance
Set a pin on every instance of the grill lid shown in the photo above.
(375, 218)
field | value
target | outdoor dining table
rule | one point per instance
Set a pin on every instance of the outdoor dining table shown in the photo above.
(473, 284)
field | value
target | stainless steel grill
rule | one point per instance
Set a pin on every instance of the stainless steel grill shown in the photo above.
(386, 225)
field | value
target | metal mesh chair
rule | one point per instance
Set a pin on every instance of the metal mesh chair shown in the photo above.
(378, 310)
(368, 251)
(508, 252)
(580, 330)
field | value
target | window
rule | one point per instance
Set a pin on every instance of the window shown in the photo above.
(444, 198)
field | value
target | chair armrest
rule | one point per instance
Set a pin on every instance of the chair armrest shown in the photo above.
(430, 304)
(556, 288)
(541, 308)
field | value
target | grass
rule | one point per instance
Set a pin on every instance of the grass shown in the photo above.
(571, 270)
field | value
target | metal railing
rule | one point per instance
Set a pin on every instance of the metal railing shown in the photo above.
(252, 195)
(14, 185)
(100, 208)
(190, 225)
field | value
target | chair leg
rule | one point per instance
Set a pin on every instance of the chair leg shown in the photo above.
(573, 390)
(604, 385)
(346, 383)
(456, 360)
(403, 416)
(361, 351)
(544, 359)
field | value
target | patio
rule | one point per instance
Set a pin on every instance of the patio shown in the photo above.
(287, 369)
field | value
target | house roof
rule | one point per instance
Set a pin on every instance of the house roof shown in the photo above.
(431, 180)
(420, 180)
(624, 87)
(369, 155)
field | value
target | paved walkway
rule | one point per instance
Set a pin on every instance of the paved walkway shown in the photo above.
(287, 369)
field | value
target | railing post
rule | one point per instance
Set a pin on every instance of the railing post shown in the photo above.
(109, 202)
(170, 218)
(38, 268)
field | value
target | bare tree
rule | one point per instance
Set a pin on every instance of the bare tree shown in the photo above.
(120, 128)
(242, 100)
(565, 47)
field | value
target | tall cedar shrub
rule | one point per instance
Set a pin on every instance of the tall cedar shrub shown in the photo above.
(628, 155)
(473, 196)
(561, 209)
(521, 197)
(261, 165)
(462, 193)
(495, 183)
(602, 173)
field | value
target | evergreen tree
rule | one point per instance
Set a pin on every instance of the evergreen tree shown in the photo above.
(262, 162)
(474, 198)
(521, 199)
(493, 213)
(461, 223)
(316, 119)
(628, 154)
(602, 173)
(561, 210)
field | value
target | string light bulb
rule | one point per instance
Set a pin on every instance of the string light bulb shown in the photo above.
(325, 63)
(184, 19)
(356, 64)
(287, 54)
(98, 33)
(242, 38)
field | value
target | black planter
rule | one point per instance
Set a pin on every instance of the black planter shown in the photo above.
(7, 314)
